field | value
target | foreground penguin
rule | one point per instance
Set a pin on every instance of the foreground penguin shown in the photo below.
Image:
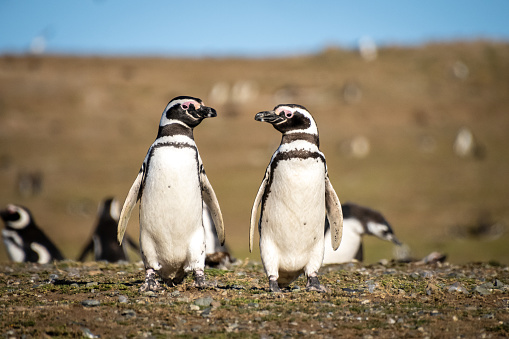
(104, 239)
(24, 240)
(295, 196)
(172, 187)
(357, 221)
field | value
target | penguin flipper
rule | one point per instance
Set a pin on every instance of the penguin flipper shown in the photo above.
(334, 214)
(256, 203)
(130, 201)
(209, 197)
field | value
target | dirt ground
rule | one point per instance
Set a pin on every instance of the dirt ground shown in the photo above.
(70, 299)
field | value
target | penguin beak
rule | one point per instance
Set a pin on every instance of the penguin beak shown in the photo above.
(395, 240)
(207, 112)
(268, 116)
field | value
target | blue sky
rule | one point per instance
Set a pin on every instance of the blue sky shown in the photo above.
(239, 28)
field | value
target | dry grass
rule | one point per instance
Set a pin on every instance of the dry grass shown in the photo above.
(86, 124)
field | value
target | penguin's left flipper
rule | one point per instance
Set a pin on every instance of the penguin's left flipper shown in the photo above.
(130, 201)
(257, 201)
(209, 197)
(334, 214)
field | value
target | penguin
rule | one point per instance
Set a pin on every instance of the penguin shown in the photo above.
(24, 240)
(295, 196)
(217, 254)
(104, 239)
(357, 221)
(172, 187)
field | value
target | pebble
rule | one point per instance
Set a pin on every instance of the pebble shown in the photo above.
(90, 303)
(457, 287)
(93, 283)
(87, 334)
(205, 302)
(122, 299)
(129, 314)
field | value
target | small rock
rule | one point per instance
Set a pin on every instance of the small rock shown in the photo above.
(88, 334)
(183, 299)
(194, 307)
(457, 287)
(205, 302)
(482, 290)
(129, 314)
(90, 303)
(122, 299)
(93, 283)
(206, 312)
(391, 321)
(175, 293)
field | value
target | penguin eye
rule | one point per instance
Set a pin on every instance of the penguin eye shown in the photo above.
(288, 114)
(188, 104)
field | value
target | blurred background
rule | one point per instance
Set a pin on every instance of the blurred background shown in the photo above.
(411, 99)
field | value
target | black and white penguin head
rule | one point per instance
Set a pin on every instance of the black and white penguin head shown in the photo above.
(16, 217)
(289, 118)
(187, 111)
(109, 208)
(373, 222)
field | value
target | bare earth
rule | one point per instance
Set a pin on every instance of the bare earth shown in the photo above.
(69, 299)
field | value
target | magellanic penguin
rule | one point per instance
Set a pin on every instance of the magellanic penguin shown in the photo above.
(295, 196)
(104, 243)
(357, 222)
(217, 254)
(24, 240)
(172, 186)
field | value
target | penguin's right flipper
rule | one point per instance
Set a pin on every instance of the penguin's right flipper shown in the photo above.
(334, 214)
(130, 201)
(256, 203)
(88, 248)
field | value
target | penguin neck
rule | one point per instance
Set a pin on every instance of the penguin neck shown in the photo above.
(175, 129)
(291, 137)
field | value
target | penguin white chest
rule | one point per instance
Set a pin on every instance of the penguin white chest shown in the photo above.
(171, 205)
(294, 211)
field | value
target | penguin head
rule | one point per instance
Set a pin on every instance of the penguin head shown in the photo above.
(186, 111)
(373, 222)
(109, 209)
(289, 118)
(16, 217)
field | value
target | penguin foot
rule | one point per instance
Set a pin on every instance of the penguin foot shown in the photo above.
(314, 285)
(151, 283)
(200, 282)
(273, 285)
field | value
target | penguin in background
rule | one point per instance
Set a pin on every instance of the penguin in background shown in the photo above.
(295, 196)
(217, 254)
(104, 239)
(24, 240)
(171, 187)
(357, 221)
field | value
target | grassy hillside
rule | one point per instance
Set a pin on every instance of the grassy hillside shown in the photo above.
(85, 124)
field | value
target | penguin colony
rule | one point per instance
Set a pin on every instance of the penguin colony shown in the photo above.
(300, 222)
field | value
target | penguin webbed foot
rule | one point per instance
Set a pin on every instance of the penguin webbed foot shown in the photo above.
(274, 286)
(313, 284)
(200, 281)
(151, 283)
